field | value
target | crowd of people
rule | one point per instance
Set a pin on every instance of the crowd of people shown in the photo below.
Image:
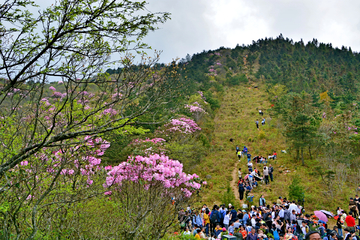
(280, 220)
(253, 176)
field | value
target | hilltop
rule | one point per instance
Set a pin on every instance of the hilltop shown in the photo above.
(273, 75)
(309, 93)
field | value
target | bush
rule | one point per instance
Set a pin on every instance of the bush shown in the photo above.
(296, 191)
(229, 197)
(262, 135)
(236, 80)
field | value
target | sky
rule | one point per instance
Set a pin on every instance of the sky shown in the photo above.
(198, 25)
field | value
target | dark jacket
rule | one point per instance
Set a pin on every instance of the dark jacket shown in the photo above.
(217, 214)
(250, 236)
(238, 236)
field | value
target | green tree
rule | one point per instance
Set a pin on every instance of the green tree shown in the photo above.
(296, 191)
(72, 42)
(300, 123)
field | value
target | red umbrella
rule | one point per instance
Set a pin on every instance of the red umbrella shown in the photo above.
(321, 216)
(336, 217)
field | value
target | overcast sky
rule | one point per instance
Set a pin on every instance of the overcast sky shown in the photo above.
(198, 25)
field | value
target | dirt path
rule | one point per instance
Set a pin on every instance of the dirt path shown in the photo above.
(236, 120)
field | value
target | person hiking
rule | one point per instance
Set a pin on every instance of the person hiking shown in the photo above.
(239, 173)
(239, 154)
(261, 112)
(266, 175)
(245, 150)
(257, 124)
(248, 157)
(271, 170)
(241, 190)
(237, 148)
(263, 122)
(262, 201)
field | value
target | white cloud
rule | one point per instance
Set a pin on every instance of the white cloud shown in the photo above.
(198, 25)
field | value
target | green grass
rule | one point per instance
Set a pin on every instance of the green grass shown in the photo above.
(236, 119)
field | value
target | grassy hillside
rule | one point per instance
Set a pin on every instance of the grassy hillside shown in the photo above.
(236, 119)
(327, 78)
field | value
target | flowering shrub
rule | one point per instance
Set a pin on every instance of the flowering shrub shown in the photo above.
(183, 125)
(195, 107)
(148, 146)
(154, 140)
(150, 170)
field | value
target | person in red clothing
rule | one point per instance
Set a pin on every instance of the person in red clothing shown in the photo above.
(350, 221)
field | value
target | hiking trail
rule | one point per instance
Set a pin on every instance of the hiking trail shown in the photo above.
(236, 119)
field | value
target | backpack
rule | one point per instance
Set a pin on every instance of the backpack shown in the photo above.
(213, 218)
(276, 235)
(248, 221)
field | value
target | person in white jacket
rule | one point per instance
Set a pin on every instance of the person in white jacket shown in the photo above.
(226, 220)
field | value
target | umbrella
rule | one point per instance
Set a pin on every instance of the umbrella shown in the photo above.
(321, 216)
(336, 217)
(327, 213)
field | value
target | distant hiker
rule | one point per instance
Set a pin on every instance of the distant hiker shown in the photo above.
(250, 165)
(231, 140)
(271, 170)
(266, 175)
(263, 121)
(239, 154)
(262, 201)
(274, 154)
(261, 113)
(245, 150)
(237, 148)
(248, 157)
(257, 124)
(239, 173)
(241, 190)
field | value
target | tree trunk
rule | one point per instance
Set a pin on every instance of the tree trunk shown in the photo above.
(302, 156)
(310, 152)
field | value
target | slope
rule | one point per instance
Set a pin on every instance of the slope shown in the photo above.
(236, 119)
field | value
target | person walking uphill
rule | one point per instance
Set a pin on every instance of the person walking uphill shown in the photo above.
(248, 157)
(271, 170)
(239, 154)
(266, 175)
(257, 124)
(241, 190)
